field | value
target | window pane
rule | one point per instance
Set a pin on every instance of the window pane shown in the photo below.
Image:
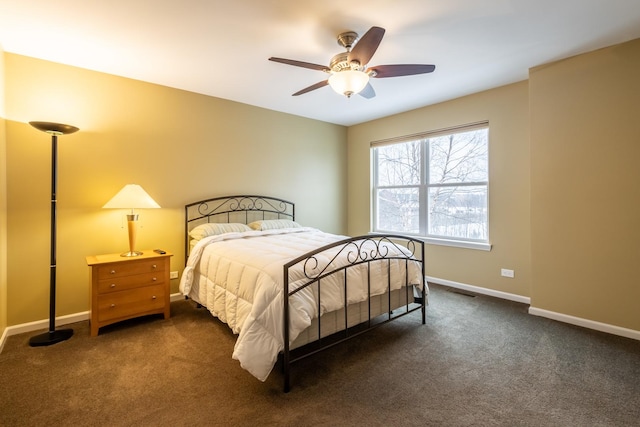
(459, 157)
(458, 212)
(399, 164)
(398, 210)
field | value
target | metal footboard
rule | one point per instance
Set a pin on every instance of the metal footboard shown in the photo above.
(335, 262)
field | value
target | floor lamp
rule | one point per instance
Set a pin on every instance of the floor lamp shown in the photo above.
(53, 336)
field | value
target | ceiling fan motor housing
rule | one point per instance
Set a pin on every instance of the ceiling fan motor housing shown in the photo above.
(340, 62)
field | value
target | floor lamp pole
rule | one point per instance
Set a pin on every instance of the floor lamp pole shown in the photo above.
(53, 336)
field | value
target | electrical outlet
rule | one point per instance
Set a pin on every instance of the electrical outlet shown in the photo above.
(506, 273)
(173, 275)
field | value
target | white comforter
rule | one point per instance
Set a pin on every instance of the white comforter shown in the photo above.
(239, 278)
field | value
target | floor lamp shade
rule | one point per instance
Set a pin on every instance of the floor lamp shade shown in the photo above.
(132, 196)
(53, 336)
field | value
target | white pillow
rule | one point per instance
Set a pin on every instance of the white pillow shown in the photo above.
(212, 229)
(272, 224)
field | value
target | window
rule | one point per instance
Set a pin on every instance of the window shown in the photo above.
(434, 185)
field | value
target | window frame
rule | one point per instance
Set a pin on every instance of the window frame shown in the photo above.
(424, 186)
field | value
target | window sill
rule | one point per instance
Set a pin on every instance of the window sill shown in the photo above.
(480, 246)
(457, 243)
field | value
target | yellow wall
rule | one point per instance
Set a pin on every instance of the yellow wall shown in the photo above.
(3, 203)
(506, 108)
(585, 185)
(564, 195)
(564, 185)
(179, 146)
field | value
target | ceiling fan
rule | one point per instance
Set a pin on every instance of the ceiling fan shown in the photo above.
(348, 70)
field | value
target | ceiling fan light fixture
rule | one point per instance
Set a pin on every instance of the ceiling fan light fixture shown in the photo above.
(348, 82)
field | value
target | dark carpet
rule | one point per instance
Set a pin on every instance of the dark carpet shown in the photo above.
(479, 361)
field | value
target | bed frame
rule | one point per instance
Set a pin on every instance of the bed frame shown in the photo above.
(361, 252)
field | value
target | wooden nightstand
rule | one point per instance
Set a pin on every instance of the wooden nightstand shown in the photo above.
(127, 287)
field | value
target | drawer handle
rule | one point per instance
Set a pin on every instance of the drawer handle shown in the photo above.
(154, 279)
(113, 285)
(113, 305)
(112, 272)
(153, 297)
(154, 266)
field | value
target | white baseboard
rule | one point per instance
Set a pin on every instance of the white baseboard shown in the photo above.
(585, 323)
(177, 297)
(565, 318)
(3, 339)
(60, 321)
(44, 324)
(479, 290)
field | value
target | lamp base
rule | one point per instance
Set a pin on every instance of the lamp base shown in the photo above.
(131, 253)
(51, 337)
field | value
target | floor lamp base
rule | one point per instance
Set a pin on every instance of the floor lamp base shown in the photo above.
(51, 337)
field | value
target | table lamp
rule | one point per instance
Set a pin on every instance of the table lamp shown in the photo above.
(132, 196)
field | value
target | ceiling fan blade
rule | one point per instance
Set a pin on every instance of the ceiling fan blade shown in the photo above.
(382, 71)
(366, 46)
(368, 92)
(312, 87)
(300, 64)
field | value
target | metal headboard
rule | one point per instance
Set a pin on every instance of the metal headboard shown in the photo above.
(244, 209)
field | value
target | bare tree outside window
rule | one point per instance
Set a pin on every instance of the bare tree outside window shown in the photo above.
(399, 176)
(434, 186)
(458, 175)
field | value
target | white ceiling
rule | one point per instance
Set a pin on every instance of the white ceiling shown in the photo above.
(220, 48)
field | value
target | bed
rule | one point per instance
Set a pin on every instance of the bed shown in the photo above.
(282, 287)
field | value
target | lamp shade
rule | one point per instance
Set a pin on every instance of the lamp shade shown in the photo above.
(54, 128)
(132, 196)
(348, 82)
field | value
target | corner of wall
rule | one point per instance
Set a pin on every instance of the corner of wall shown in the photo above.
(3, 205)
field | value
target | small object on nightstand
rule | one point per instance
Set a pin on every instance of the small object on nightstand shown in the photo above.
(159, 251)
(127, 287)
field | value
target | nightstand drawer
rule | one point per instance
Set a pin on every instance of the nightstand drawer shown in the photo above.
(122, 283)
(129, 268)
(127, 303)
